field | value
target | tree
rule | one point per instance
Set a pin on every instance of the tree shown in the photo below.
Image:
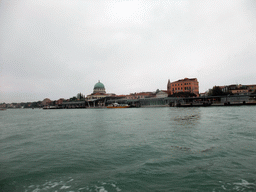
(34, 105)
(73, 99)
(216, 91)
(26, 105)
(80, 96)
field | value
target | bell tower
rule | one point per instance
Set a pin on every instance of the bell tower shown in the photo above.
(169, 87)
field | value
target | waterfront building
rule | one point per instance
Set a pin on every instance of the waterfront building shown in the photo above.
(162, 94)
(46, 101)
(141, 95)
(203, 94)
(59, 101)
(251, 88)
(99, 88)
(238, 89)
(99, 92)
(183, 85)
(3, 105)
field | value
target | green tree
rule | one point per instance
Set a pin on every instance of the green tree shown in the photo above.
(80, 96)
(216, 91)
(26, 105)
(73, 99)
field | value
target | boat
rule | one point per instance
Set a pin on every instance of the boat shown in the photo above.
(50, 107)
(2, 109)
(116, 105)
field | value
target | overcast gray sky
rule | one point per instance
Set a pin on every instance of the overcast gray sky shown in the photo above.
(57, 48)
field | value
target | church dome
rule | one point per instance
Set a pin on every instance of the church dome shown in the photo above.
(99, 85)
(99, 88)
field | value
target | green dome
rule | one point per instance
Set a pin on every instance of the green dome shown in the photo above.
(99, 85)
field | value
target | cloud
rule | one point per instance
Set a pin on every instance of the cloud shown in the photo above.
(59, 48)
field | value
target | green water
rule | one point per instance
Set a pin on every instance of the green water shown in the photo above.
(137, 149)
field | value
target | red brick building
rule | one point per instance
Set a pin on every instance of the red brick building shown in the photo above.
(183, 85)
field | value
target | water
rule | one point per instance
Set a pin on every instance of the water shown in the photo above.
(137, 149)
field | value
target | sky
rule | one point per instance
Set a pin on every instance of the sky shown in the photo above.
(58, 48)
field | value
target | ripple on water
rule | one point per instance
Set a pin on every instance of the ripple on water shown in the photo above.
(72, 185)
(241, 185)
(164, 149)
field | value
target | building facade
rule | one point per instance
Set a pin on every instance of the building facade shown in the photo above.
(99, 92)
(162, 94)
(99, 88)
(251, 88)
(183, 85)
(141, 95)
(46, 102)
(239, 89)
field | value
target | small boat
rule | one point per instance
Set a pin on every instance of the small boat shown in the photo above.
(2, 109)
(50, 107)
(116, 105)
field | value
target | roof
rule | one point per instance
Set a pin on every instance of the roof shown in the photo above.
(185, 79)
(99, 85)
(73, 102)
(141, 93)
(99, 94)
(120, 96)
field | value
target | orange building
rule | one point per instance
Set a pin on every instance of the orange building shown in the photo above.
(251, 88)
(183, 85)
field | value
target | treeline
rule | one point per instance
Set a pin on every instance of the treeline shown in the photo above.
(79, 97)
(217, 91)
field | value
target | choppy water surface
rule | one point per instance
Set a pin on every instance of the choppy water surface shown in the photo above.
(137, 149)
